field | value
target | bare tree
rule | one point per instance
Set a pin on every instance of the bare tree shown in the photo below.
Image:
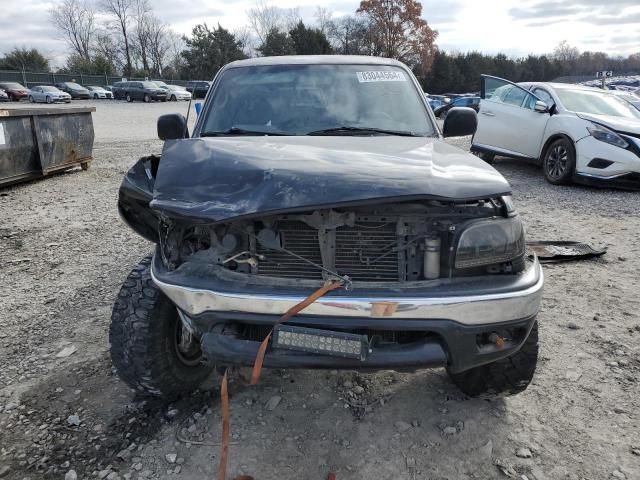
(122, 13)
(143, 20)
(158, 44)
(323, 19)
(564, 52)
(264, 18)
(245, 36)
(75, 20)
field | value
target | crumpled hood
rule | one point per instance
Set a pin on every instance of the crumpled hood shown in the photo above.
(216, 179)
(619, 124)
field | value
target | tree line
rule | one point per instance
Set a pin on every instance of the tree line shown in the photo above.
(126, 37)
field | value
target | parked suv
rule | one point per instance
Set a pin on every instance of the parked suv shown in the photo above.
(145, 91)
(471, 102)
(15, 91)
(198, 89)
(74, 89)
(304, 172)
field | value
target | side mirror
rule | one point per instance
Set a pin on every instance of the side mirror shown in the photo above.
(459, 122)
(541, 107)
(172, 127)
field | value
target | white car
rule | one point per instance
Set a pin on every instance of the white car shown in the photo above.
(99, 92)
(176, 92)
(576, 133)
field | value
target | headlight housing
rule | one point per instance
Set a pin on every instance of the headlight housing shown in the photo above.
(490, 242)
(607, 136)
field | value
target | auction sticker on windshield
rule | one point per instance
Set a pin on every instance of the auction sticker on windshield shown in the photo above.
(381, 76)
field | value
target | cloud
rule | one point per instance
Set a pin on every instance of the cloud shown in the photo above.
(548, 9)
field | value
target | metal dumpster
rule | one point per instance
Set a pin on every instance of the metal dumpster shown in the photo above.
(35, 142)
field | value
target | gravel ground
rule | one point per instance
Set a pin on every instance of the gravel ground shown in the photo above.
(64, 254)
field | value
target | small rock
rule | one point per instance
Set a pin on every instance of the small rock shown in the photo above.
(172, 413)
(171, 457)
(347, 384)
(402, 426)
(66, 351)
(73, 420)
(113, 476)
(618, 474)
(415, 423)
(145, 474)
(59, 390)
(124, 455)
(137, 466)
(358, 390)
(273, 402)
(178, 469)
(524, 453)
(10, 406)
(449, 431)
(636, 451)
(180, 461)
(572, 375)
(103, 473)
(4, 470)
(622, 259)
(573, 326)
(487, 449)
(71, 475)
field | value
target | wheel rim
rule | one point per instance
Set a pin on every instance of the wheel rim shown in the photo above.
(557, 162)
(186, 346)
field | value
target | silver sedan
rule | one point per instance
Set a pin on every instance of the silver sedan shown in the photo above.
(48, 94)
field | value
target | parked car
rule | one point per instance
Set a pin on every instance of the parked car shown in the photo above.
(76, 90)
(142, 90)
(198, 89)
(99, 92)
(576, 133)
(176, 92)
(306, 170)
(14, 90)
(4, 97)
(161, 84)
(471, 102)
(48, 94)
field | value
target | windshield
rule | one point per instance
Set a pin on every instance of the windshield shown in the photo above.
(149, 85)
(300, 99)
(49, 89)
(74, 86)
(596, 103)
(177, 88)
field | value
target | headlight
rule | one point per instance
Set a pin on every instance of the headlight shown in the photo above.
(490, 242)
(605, 135)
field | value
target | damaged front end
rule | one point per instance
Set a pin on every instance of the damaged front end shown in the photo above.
(429, 280)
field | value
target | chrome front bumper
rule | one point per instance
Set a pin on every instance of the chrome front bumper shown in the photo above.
(467, 309)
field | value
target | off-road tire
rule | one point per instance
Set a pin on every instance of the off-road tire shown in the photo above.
(559, 162)
(143, 348)
(502, 378)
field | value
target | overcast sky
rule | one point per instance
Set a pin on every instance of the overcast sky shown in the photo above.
(510, 26)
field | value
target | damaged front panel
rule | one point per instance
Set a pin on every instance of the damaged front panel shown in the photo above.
(218, 179)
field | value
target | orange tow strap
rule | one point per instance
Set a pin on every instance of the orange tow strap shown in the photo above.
(255, 375)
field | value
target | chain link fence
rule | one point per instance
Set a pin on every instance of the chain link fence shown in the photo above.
(29, 79)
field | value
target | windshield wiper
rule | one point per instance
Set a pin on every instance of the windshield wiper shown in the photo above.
(239, 131)
(365, 130)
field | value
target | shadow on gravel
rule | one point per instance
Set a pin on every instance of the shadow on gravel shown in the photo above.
(87, 419)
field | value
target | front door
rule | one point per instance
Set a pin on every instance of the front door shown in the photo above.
(508, 122)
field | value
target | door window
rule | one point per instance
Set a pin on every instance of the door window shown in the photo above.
(501, 91)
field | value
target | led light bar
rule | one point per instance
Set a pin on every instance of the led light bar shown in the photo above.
(323, 342)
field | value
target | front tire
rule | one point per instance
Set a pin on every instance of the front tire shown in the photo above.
(173, 98)
(147, 340)
(559, 162)
(147, 98)
(504, 377)
(49, 100)
(129, 99)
